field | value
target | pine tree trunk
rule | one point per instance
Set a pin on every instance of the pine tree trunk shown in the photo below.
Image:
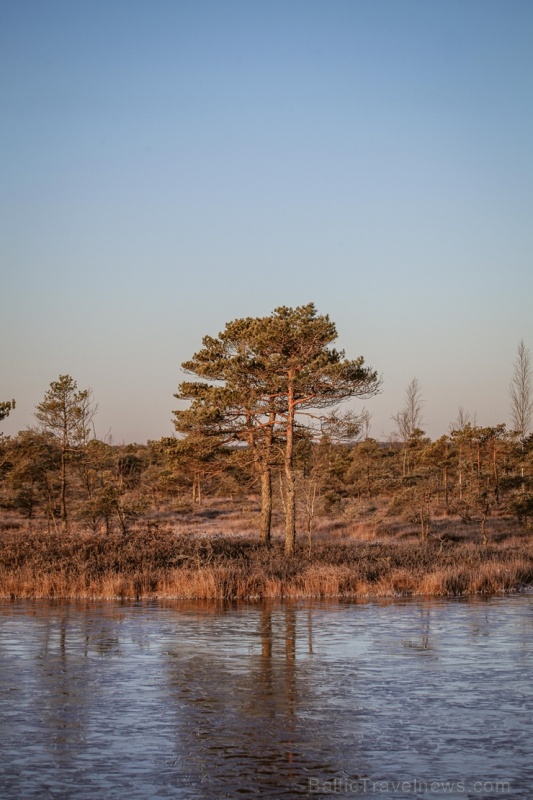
(64, 516)
(266, 483)
(290, 501)
(310, 513)
(484, 527)
(266, 505)
(496, 477)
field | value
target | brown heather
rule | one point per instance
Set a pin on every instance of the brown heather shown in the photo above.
(157, 563)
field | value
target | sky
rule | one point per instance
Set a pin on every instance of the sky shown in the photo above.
(167, 166)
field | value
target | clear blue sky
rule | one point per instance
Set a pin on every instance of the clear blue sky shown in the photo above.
(169, 165)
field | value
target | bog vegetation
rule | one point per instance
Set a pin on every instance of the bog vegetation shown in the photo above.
(269, 487)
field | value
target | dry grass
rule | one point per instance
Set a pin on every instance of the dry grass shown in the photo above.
(157, 562)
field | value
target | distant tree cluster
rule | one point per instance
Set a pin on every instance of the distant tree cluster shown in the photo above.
(263, 417)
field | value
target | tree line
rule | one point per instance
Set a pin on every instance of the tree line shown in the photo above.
(264, 415)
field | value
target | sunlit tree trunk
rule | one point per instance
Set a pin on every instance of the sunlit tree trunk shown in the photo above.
(266, 505)
(290, 502)
(63, 492)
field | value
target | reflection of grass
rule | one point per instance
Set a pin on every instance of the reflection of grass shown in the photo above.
(157, 563)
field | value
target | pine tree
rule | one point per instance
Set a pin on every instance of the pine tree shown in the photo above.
(66, 413)
(274, 376)
(5, 408)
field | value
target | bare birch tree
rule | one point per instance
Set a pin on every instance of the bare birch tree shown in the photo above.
(409, 419)
(520, 391)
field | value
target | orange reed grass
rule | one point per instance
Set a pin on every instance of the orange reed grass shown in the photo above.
(159, 564)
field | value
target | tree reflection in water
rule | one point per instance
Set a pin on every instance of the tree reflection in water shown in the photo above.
(57, 689)
(196, 701)
(244, 718)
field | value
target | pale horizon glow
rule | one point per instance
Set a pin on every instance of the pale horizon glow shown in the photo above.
(169, 166)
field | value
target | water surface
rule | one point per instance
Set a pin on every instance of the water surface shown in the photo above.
(202, 700)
